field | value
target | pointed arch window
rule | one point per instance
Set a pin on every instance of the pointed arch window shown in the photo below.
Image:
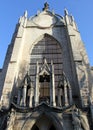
(49, 48)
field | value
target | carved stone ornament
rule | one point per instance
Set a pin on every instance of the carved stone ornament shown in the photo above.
(46, 6)
(80, 120)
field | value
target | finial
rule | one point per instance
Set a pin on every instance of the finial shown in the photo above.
(66, 11)
(46, 6)
(25, 14)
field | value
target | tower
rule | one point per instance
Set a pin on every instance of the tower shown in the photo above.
(46, 81)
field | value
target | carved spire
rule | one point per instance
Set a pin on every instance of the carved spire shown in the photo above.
(46, 6)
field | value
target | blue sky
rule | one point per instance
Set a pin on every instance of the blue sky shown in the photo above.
(11, 10)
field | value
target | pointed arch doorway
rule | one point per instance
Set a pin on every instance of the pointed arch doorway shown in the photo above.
(44, 123)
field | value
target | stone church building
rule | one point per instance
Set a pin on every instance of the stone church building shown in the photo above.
(46, 80)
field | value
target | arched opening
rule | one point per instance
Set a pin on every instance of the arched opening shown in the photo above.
(44, 121)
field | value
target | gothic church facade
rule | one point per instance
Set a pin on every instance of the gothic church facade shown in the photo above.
(46, 80)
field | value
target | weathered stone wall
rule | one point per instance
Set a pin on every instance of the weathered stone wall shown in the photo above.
(28, 33)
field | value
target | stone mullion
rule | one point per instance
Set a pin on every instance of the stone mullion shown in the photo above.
(52, 88)
(31, 97)
(37, 87)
